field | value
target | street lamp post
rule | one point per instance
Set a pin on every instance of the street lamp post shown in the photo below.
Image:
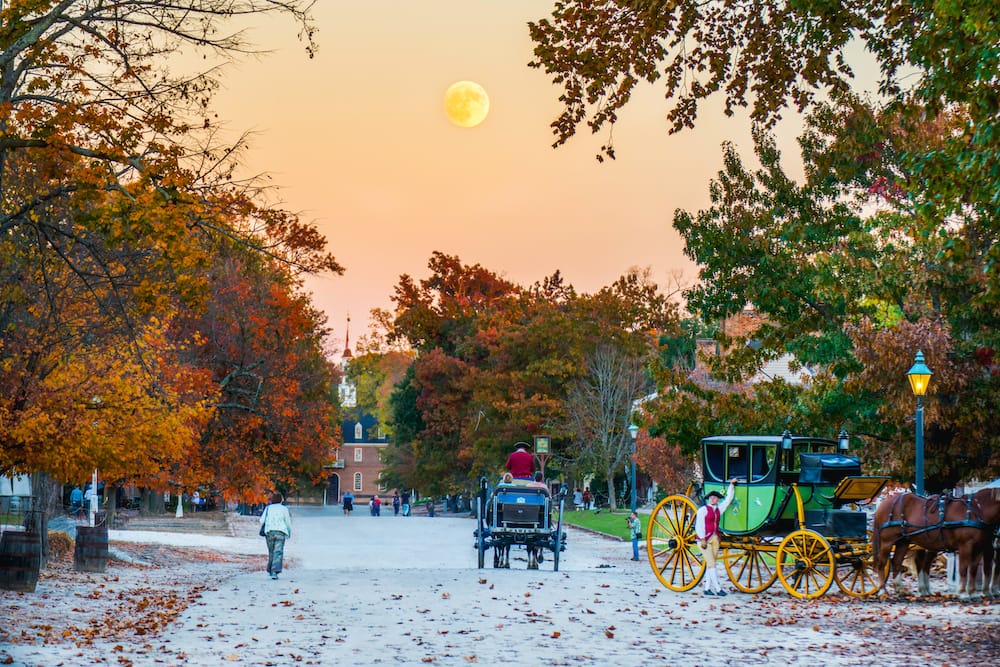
(920, 377)
(633, 431)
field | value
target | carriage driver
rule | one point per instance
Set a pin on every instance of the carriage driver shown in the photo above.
(707, 526)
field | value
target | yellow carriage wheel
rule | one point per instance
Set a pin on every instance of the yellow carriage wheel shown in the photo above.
(671, 544)
(751, 565)
(855, 574)
(805, 564)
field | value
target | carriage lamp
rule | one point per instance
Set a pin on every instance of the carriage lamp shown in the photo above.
(843, 441)
(633, 431)
(920, 377)
(786, 440)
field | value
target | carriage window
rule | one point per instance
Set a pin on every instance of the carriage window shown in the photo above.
(715, 462)
(737, 462)
(762, 458)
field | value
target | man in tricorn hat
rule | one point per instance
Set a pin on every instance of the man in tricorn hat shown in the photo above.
(521, 464)
(708, 526)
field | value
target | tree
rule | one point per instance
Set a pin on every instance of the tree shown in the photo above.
(600, 407)
(496, 361)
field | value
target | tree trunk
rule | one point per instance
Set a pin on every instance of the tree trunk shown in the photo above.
(612, 499)
(152, 502)
(46, 502)
(110, 503)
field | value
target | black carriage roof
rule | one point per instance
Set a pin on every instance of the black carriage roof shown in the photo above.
(762, 439)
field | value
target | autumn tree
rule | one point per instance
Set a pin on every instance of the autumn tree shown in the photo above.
(275, 416)
(495, 363)
(114, 193)
(829, 262)
(600, 406)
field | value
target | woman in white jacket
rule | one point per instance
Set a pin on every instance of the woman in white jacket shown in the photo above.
(276, 523)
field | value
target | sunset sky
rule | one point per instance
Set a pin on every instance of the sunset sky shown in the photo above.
(358, 141)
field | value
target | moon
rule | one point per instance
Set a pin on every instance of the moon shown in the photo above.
(466, 103)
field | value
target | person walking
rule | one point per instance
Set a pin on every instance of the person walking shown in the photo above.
(76, 501)
(708, 528)
(376, 506)
(395, 503)
(276, 522)
(348, 503)
(406, 503)
(634, 533)
(588, 499)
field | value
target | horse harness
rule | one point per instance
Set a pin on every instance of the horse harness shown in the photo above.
(943, 500)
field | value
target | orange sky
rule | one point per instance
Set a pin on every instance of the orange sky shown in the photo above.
(358, 141)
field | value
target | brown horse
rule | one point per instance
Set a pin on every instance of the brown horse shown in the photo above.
(964, 525)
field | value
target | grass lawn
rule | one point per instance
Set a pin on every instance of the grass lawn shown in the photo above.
(603, 522)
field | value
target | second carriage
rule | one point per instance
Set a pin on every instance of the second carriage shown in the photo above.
(793, 519)
(520, 514)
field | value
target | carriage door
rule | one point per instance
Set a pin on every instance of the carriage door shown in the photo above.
(735, 519)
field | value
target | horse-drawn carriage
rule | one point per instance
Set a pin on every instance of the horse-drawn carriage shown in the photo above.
(519, 514)
(793, 518)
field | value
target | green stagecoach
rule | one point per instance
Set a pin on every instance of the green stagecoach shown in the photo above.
(793, 518)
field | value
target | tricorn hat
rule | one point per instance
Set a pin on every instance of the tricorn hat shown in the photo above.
(521, 445)
(713, 493)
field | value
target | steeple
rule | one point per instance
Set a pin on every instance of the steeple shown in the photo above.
(347, 339)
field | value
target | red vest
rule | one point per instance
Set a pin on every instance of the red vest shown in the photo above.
(711, 521)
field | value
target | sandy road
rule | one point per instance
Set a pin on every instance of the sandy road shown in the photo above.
(406, 591)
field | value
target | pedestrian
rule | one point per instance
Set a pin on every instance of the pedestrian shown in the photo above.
(395, 503)
(376, 506)
(430, 507)
(405, 498)
(76, 501)
(578, 499)
(588, 499)
(276, 522)
(348, 503)
(708, 528)
(520, 463)
(634, 533)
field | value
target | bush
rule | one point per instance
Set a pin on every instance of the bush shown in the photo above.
(60, 545)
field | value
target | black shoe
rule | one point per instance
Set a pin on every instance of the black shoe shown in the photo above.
(635, 559)
(722, 594)
(709, 593)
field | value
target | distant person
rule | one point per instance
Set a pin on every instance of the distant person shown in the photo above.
(588, 499)
(708, 528)
(539, 481)
(76, 501)
(348, 503)
(634, 533)
(578, 499)
(520, 463)
(376, 506)
(277, 524)
(405, 501)
(395, 503)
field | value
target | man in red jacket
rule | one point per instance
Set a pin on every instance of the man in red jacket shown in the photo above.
(520, 463)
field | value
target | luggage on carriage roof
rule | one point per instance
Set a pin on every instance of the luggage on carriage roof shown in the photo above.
(825, 468)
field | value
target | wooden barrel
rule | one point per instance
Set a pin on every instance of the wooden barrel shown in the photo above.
(91, 551)
(20, 560)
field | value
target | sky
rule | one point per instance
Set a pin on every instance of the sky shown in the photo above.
(358, 143)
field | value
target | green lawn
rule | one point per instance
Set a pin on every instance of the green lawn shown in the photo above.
(604, 521)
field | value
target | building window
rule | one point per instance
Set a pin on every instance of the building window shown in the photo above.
(358, 432)
(357, 481)
(358, 454)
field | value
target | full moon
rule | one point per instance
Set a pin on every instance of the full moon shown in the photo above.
(466, 103)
